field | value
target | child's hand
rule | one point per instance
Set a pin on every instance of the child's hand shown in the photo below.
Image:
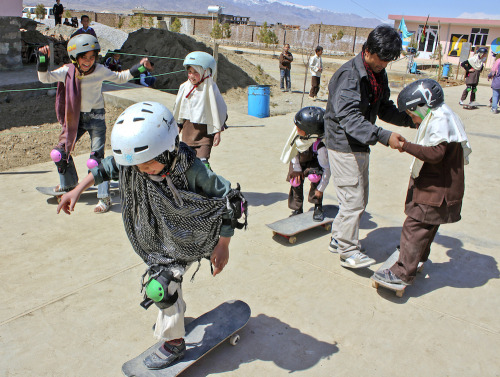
(298, 175)
(45, 50)
(216, 139)
(68, 201)
(318, 194)
(145, 62)
(220, 255)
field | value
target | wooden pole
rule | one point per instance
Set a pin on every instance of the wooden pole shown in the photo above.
(439, 52)
(216, 57)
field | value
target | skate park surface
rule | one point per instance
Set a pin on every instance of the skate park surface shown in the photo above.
(70, 292)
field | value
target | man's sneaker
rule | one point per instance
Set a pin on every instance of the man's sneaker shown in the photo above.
(388, 276)
(461, 103)
(357, 260)
(165, 355)
(296, 212)
(318, 214)
(494, 111)
(333, 246)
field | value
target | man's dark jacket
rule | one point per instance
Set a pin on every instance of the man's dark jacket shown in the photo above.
(350, 118)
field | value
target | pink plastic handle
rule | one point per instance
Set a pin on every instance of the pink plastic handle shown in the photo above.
(55, 155)
(295, 182)
(314, 178)
(91, 163)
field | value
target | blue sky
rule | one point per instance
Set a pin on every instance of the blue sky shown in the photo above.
(381, 9)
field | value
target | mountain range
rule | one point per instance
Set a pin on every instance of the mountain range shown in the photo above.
(270, 11)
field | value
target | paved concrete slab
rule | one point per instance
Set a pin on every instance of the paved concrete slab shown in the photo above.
(69, 298)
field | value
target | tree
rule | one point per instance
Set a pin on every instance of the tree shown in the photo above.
(133, 22)
(28, 14)
(226, 31)
(216, 32)
(176, 25)
(267, 36)
(67, 14)
(120, 22)
(336, 36)
(140, 19)
(40, 11)
(150, 22)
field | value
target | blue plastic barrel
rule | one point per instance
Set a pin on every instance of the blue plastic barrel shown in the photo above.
(446, 69)
(258, 100)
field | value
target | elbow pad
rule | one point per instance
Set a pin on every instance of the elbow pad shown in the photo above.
(137, 69)
(42, 62)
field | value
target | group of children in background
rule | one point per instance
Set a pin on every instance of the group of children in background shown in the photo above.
(163, 179)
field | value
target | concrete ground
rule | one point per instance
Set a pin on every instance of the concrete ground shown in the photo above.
(70, 285)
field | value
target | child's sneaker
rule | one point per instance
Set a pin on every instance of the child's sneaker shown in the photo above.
(333, 246)
(318, 214)
(165, 355)
(388, 276)
(357, 260)
(461, 103)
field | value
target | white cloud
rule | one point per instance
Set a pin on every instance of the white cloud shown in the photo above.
(480, 15)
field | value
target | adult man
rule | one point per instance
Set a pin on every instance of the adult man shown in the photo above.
(58, 10)
(85, 29)
(358, 93)
(286, 59)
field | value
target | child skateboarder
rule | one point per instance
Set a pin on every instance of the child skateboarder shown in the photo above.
(199, 108)
(473, 68)
(175, 212)
(80, 107)
(436, 184)
(308, 157)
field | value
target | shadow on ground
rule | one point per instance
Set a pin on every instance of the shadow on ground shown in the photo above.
(268, 339)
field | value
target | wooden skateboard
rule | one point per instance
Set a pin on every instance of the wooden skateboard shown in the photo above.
(397, 288)
(202, 335)
(293, 225)
(471, 106)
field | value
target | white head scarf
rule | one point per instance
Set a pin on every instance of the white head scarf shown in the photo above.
(440, 125)
(294, 145)
(476, 62)
(201, 103)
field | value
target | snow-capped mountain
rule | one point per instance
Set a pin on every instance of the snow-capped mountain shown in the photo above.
(270, 11)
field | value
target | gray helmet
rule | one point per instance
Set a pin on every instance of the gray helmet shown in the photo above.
(81, 44)
(310, 119)
(421, 92)
(143, 132)
(200, 58)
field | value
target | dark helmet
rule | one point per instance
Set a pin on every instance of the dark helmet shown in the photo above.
(412, 50)
(421, 92)
(482, 50)
(310, 120)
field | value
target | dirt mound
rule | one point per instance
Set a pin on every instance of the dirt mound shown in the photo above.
(167, 50)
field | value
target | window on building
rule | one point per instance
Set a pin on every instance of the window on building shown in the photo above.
(478, 37)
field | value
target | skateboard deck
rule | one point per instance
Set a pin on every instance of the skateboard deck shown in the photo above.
(397, 288)
(471, 106)
(202, 335)
(50, 191)
(293, 225)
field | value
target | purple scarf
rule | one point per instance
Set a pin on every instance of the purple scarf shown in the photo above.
(68, 104)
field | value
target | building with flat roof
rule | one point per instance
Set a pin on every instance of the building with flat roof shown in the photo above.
(457, 36)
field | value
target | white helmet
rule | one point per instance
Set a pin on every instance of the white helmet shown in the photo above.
(203, 59)
(82, 43)
(142, 132)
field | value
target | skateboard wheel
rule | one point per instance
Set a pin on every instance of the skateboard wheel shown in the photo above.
(234, 339)
(374, 284)
(400, 293)
(274, 233)
(292, 240)
(327, 227)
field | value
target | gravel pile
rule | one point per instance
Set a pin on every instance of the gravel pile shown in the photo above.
(109, 37)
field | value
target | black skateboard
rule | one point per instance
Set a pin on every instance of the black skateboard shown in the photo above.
(202, 335)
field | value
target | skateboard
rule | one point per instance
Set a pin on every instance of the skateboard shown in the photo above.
(399, 289)
(471, 106)
(293, 225)
(56, 194)
(202, 335)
